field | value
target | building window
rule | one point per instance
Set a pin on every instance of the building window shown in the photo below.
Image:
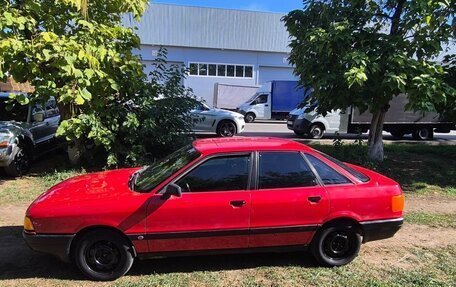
(248, 72)
(240, 71)
(212, 70)
(230, 71)
(193, 69)
(202, 70)
(220, 70)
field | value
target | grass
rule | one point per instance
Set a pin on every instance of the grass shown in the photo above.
(420, 169)
(427, 267)
(431, 219)
(28, 188)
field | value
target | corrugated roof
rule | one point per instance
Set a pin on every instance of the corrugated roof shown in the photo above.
(202, 27)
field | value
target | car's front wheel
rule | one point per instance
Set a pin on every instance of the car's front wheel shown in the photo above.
(336, 245)
(249, 117)
(103, 255)
(20, 164)
(226, 129)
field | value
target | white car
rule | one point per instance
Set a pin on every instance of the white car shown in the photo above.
(224, 123)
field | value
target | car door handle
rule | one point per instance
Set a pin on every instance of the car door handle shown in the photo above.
(314, 199)
(266, 105)
(237, 203)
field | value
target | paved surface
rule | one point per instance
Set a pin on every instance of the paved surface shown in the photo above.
(279, 129)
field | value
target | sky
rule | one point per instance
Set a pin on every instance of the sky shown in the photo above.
(279, 6)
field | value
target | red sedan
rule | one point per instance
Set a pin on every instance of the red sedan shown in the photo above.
(216, 196)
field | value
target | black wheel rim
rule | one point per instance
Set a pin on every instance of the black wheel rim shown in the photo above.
(22, 162)
(103, 256)
(227, 130)
(423, 134)
(338, 245)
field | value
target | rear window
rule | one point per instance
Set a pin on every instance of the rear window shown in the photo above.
(361, 176)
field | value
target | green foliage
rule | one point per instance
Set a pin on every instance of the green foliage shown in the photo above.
(365, 52)
(79, 52)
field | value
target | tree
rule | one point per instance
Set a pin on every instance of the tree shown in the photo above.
(79, 52)
(363, 53)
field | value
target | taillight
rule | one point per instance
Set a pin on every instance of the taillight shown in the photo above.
(397, 203)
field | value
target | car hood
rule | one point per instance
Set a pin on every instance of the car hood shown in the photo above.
(12, 126)
(89, 187)
(222, 112)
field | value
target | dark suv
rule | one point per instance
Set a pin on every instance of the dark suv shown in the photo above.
(26, 131)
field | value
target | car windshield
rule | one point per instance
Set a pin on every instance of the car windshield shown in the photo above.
(361, 176)
(15, 112)
(151, 176)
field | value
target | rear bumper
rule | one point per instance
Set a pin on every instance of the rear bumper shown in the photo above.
(381, 229)
(57, 245)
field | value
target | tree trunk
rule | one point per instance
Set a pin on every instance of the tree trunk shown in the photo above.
(375, 140)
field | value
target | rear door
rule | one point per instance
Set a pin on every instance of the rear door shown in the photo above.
(289, 202)
(212, 213)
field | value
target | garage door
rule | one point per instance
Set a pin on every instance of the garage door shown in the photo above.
(275, 74)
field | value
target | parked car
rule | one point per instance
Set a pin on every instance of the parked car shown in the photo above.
(216, 196)
(222, 122)
(305, 120)
(26, 131)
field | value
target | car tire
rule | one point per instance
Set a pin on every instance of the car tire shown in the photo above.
(336, 245)
(423, 133)
(299, 134)
(103, 255)
(249, 117)
(20, 164)
(316, 131)
(226, 129)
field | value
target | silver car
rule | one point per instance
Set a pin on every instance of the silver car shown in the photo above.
(222, 122)
(26, 131)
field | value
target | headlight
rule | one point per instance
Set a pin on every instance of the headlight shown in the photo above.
(5, 139)
(301, 116)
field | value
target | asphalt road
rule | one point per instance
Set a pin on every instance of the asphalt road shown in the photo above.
(279, 129)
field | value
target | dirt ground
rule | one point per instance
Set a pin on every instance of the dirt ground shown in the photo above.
(21, 266)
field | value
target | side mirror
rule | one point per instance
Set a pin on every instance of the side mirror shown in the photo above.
(172, 189)
(38, 117)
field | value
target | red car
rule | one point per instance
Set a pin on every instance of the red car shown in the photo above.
(216, 196)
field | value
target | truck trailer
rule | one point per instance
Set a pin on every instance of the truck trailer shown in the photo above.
(273, 100)
(398, 121)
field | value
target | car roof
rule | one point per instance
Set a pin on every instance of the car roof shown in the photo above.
(236, 144)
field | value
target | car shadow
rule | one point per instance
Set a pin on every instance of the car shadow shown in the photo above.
(17, 261)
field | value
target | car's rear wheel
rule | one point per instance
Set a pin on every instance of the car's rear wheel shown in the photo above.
(20, 164)
(249, 117)
(336, 245)
(103, 255)
(423, 133)
(226, 129)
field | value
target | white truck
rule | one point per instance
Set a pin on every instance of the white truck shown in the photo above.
(398, 121)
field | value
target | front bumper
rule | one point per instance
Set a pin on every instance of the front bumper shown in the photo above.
(381, 229)
(7, 155)
(298, 125)
(54, 244)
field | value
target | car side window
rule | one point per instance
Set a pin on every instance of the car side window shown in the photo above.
(51, 109)
(284, 170)
(327, 174)
(262, 99)
(218, 174)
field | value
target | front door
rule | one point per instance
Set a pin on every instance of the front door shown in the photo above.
(261, 106)
(212, 213)
(289, 203)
